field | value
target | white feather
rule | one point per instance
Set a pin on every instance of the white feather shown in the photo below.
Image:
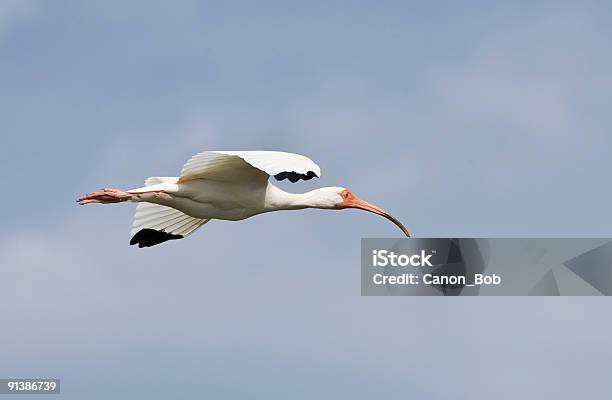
(154, 180)
(245, 165)
(162, 218)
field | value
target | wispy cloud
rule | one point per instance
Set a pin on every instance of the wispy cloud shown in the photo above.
(460, 120)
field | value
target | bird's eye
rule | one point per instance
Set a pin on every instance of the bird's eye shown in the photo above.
(346, 195)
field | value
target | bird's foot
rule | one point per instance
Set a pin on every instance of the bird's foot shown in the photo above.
(105, 196)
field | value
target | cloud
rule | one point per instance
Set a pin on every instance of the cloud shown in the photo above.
(231, 303)
(462, 123)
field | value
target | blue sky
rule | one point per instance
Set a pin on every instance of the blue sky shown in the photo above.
(471, 119)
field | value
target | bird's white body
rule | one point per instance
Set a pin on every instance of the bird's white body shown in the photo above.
(233, 201)
(226, 185)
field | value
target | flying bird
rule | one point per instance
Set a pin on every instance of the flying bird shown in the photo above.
(227, 185)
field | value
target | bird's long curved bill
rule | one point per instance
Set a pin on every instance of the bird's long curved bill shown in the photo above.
(364, 205)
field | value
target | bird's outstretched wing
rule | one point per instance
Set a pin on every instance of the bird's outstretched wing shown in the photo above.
(239, 166)
(155, 224)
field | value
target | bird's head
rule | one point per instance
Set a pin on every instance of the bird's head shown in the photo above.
(340, 198)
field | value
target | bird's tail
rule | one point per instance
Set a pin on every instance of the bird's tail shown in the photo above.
(155, 180)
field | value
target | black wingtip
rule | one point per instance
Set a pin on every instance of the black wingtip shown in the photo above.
(151, 237)
(294, 176)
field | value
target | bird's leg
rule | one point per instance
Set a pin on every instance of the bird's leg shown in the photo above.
(106, 196)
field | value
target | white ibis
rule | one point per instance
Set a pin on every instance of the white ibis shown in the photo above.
(227, 185)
